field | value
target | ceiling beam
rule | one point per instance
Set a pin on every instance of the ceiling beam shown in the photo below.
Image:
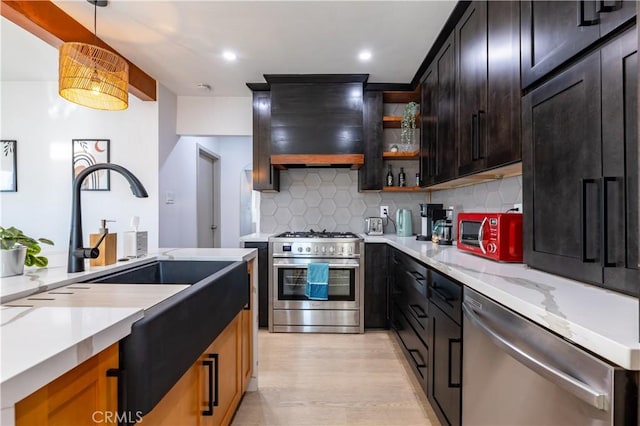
(48, 22)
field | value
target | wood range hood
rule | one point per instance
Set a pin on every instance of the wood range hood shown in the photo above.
(287, 161)
(316, 120)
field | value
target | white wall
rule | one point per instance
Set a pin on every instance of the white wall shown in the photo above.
(178, 175)
(44, 124)
(222, 116)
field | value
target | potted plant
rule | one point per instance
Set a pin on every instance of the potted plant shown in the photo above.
(408, 123)
(18, 250)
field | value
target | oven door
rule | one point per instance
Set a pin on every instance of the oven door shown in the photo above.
(290, 278)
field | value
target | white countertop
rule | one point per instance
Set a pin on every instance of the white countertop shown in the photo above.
(599, 320)
(40, 343)
(56, 275)
(256, 237)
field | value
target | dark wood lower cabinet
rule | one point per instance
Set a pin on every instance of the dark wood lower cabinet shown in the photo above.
(263, 281)
(376, 293)
(446, 367)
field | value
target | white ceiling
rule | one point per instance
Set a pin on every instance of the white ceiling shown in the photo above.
(180, 42)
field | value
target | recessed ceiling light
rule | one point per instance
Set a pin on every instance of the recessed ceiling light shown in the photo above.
(365, 55)
(229, 55)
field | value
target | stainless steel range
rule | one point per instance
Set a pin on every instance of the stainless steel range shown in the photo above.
(291, 311)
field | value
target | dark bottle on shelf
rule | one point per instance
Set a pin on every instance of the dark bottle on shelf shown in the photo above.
(389, 177)
(402, 179)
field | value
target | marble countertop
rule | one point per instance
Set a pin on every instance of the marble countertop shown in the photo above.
(41, 340)
(256, 237)
(55, 275)
(602, 321)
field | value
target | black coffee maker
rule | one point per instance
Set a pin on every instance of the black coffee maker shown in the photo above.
(429, 214)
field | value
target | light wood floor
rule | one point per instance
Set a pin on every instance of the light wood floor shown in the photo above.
(333, 379)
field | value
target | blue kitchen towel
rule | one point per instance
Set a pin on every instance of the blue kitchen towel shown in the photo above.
(317, 287)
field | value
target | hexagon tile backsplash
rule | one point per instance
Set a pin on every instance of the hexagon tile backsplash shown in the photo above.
(329, 199)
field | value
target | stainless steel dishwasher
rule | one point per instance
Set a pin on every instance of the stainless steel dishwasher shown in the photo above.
(517, 373)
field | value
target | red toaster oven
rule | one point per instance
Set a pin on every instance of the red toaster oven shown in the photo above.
(497, 236)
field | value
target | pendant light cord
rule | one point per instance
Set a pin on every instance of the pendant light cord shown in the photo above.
(95, 25)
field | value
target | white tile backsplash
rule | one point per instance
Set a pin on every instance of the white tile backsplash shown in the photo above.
(329, 199)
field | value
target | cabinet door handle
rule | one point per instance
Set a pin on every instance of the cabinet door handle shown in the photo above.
(582, 22)
(479, 150)
(583, 221)
(247, 307)
(418, 311)
(474, 135)
(604, 214)
(212, 365)
(453, 360)
(603, 6)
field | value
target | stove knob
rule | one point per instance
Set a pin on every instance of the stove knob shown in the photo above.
(324, 249)
(308, 249)
(350, 250)
(315, 249)
(342, 250)
(300, 249)
(332, 249)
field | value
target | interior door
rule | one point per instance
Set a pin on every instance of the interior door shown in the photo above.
(207, 182)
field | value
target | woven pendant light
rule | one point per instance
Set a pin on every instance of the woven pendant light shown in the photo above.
(94, 77)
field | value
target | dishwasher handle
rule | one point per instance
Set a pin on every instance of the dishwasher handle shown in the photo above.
(572, 385)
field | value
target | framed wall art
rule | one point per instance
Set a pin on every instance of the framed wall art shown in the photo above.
(87, 152)
(8, 166)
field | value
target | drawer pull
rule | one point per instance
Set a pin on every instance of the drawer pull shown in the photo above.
(444, 297)
(417, 358)
(418, 311)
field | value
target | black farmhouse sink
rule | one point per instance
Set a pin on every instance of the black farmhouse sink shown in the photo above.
(166, 272)
(172, 334)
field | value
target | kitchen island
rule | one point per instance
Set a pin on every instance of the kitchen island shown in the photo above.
(41, 343)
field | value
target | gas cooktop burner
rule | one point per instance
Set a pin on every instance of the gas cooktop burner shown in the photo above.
(316, 234)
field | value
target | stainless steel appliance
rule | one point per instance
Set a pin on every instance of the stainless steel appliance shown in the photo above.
(291, 310)
(373, 226)
(517, 373)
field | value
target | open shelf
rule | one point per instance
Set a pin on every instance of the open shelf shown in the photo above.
(404, 189)
(401, 97)
(401, 155)
(394, 121)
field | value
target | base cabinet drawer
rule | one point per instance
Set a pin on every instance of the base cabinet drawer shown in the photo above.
(415, 351)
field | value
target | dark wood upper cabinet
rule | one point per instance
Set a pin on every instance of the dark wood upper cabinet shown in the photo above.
(488, 86)
(554, 31)
(265, 176)
(471, 88)
(580, 162)
(503, 85)
(438, 117)
(370, 175)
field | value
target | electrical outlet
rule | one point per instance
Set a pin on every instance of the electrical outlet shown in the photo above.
(384, 211)
(518, 206)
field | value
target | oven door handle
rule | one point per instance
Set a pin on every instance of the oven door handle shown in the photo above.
(304, 265)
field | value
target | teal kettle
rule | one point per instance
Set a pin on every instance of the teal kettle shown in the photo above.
(403, 223)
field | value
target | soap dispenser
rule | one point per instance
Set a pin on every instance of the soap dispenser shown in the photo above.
(108, 247)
